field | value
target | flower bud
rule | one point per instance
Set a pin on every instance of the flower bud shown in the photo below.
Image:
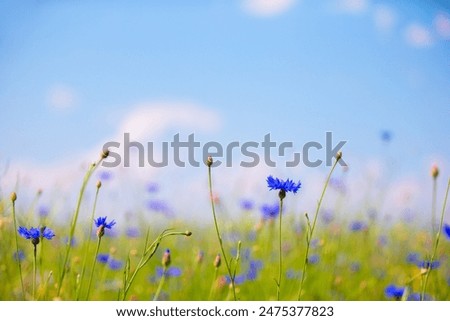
(209, 161)
(434, 171)
(104, 153)
(338, 155)
(99, 184)
(166, 259)
(217, 261)
(13, 197)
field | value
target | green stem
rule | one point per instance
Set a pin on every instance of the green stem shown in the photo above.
(73, 224)
(146, 256)
(436, 243)
(161, 282)
(312, 227)
(86, 247)
(433, 206)
(280, 253)
(94, 261)
(19, 263)
(34, 272)
(213, 284)
(218, 234)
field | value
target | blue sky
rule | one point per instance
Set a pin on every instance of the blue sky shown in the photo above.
(72, 72)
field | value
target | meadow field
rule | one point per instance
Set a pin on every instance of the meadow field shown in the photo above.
(326, 255)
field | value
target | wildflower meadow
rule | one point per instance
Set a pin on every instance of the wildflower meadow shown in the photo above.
(265, 253)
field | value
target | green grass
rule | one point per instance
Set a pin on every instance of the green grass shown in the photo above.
(351, 266)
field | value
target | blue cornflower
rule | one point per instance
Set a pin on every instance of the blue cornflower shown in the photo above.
(170, 272)
(152, 187)
(386, 136)
(284, 186)
(413, 258)
(103, 257)
(159, 206)
(35, 234)
(357, 226)
(270, 211)
(292, 274)
(19, 256)
(313, 259)
(43, 211)
(426, 264)
(100, 222)
(247, 205)
(392, 291)
(132, 232)
(105, 175)
(253, 269)
(447, 230)
(115, 264)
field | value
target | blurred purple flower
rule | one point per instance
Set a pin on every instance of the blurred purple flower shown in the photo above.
(170, 272)
(43, 211)
(19, 256)
(104, 175)
(356, 226)
(152, 187)
(270, 211)
(115, 264)
(391, 291)
(386, 136)
(247, 205)
(103, 257)
(132, 232)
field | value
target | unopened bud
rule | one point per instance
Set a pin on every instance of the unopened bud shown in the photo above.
(104, 153)
(188, 233)
(338, 155)
(13, 197)
(99, 184)
(209, 161)
(217, 261)
(166, 258)
(434, 171)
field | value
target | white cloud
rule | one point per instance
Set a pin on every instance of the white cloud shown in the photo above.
(418, 35)
(61, 97)
(352, 6)
(384, 18)
(267, 8)
(148, 120)
(442, 25)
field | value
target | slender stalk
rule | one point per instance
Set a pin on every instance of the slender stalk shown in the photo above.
(311, 228)
(433, 206)
(280, 266)
(161, 282)
(13, 199)
(94, 261)
(73, 224)
(213, 284)
(34, 271)
(87, 244)
(218, 234)
(146, 256)
(436, 243)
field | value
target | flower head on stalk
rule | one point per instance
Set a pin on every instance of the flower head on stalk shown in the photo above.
(101, 224)
(35, 234)
(284, 186)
